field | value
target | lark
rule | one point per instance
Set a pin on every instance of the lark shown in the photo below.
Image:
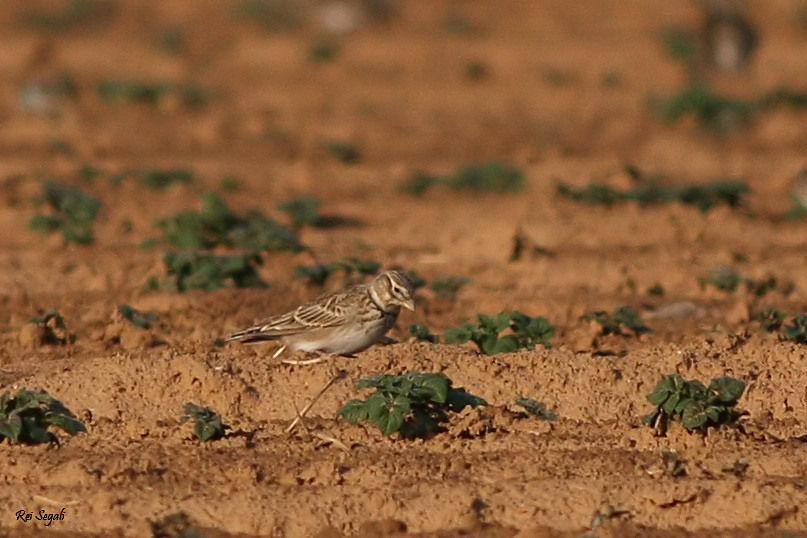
(340, 323)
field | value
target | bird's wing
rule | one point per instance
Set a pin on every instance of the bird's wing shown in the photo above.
(327, 311)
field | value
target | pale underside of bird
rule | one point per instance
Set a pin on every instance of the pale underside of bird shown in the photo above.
(341, 322)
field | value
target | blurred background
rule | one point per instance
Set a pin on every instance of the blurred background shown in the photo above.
(349, 100)
(411, 84)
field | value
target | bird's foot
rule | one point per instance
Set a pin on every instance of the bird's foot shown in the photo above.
(306, 362)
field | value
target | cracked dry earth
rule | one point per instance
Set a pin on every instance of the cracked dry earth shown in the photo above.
(398, 90)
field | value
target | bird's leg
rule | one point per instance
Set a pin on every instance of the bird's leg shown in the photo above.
(341, 374)
(279, 351)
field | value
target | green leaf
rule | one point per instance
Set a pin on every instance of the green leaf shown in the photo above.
(422, 333)
(303, 211)
(354, 411)
(670, 404)
(138, 318)
(206, 430)
(694, 416)
(534, 407)
(663, 389)
(726, 390)
(389, 416)
(46, 223)
(11, 427)
(459, 335)
(207, 423)
(437, 384)
(69, 424)
(34, 430)
(505, 344)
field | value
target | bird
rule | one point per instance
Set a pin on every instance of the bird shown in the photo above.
(341, 322)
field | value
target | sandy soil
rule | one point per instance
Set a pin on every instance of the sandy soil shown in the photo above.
(565, 96)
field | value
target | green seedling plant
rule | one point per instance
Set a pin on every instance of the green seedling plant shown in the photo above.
(144, 320)
(51, 316)
(412, 404)
(623, 321)
(417, 281)
(216, 225)
(493, 177)
(160, 179)
(422, 333)
(53, 330)
(525, 332)
(648, 190)
(345, 152)
(770, 319)
(318, 274)
(302, 211)
(76, 13)
(274, 15)
(720, 113)
(680, 44)
(323, 51)
(199, 270)
(728, 279)
(796, 330)
(71, 211)
(26, 416)
(207, 424)
(448, 287)
(696, 406)
(126, 92)
(536, 408)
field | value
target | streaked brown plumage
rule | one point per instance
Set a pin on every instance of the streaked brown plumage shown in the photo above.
(342, 322)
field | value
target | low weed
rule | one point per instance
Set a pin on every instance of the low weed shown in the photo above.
(127, 92)
(324, 51)
(536, 408)
(198, 270)
(71, 210)
(26, 416)
(796, 330)
(623, 321)
(52, 329)
(720, 113)
(74, 14)
(215, 224)
(302, 211)
(160, 179)
(648, 190)
(318, 274)
(448, 287)
(525, 332)
(413, 404)
(770, 319)
(697, 406)
(207, 425)
(422, 333)
(728, 279)
(492, 177)
(680, 44)
(274, 15)
(144, 320)
(345, 152)
(417, 281)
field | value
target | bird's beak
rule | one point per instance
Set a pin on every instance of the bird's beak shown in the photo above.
(410, 304)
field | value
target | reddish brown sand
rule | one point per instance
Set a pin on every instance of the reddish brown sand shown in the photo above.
(399, 91)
